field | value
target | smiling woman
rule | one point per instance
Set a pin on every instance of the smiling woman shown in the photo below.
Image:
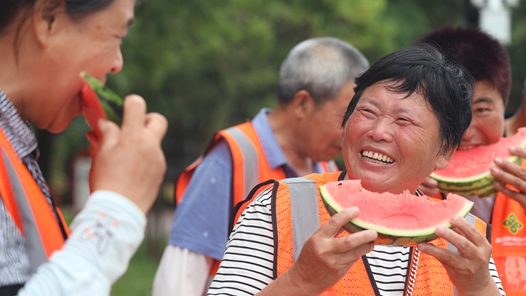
(406, 119)
(44, 46)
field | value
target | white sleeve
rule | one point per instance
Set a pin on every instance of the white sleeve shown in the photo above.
(182, 272)
(104, 237)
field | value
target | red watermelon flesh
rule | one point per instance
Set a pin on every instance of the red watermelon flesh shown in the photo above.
(468, 172)
(99, 102)
(92, 109)
(400, 219)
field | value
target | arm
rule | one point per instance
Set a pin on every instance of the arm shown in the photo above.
(468, 269)
(104, 237)
(199, 228)
(181, 272)
(128, 172)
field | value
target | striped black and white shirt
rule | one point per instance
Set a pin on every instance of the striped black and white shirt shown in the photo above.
(247, 265)
(14, 262)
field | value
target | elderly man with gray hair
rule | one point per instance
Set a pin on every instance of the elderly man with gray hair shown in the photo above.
(299, 136)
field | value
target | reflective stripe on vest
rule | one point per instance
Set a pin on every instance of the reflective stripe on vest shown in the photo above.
(304, 203)
(249, 162)
(431, 278)
(28, 207)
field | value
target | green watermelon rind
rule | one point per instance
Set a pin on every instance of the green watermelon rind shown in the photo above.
(111, 103)
(386, 235)
(480, 185)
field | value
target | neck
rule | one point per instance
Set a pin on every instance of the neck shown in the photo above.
(12, 82)
(283, 125)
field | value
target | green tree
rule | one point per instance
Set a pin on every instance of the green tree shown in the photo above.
(207, 64)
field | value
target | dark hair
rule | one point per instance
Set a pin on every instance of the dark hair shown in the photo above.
(446, 86)
(478, 52)
(321, 66)
(76, 9)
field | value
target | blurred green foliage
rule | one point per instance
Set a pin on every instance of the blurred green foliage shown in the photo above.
(206, 65)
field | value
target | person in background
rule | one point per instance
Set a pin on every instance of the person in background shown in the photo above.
(300, 135)
(488, 62)
(44, 46)
(406, 119)
(518, 119)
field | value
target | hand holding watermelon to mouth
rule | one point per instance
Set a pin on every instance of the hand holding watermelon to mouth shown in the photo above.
(98, 102)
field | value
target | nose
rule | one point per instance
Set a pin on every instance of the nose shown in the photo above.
(381, 131)
(468, 134)
(117, 63)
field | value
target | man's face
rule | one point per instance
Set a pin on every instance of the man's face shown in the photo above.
(391, 143)
(487, 124)
(322, 126)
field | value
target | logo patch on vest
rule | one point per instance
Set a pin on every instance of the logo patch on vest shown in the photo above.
(512, 224)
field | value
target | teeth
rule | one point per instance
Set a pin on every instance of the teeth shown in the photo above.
(378, 156)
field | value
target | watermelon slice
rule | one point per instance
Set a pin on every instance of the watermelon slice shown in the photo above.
(98, 101)
(399, 219)
(468, 172)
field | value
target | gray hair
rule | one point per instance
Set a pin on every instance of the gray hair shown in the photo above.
(320, 66)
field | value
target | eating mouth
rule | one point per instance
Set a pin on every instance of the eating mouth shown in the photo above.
(384, 159)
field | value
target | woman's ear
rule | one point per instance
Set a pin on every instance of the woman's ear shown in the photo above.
(44, 19)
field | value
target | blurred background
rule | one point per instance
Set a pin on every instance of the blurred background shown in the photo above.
(207, 65)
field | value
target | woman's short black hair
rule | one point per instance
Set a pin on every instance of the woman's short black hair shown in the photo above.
(446, 86)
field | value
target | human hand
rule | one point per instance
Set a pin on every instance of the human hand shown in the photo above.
(468, 267)
(130, 160)
(429, 187)
(513, 174)
(324, 259)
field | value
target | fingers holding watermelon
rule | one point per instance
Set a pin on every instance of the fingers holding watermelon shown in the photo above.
(512, 174)
(130, 160)
(429, 187)
(468, 267)
(325, 258)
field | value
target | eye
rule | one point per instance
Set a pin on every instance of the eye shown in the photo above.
(481, 110)
(366, 110)
(403, 121)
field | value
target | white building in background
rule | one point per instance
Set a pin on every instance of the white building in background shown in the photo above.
(495, 18)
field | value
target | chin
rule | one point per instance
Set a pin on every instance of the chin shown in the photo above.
(58, 126)
(56, 130)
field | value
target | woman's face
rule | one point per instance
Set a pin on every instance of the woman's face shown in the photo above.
(91, 44)
(487, 124)
(391, 143)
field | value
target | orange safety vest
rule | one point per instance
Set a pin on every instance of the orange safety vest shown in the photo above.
(43, 233)
(249, 165)
(508, 238)
(297, 200)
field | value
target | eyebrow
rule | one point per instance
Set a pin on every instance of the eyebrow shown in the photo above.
(396, 111)
(483, 100)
